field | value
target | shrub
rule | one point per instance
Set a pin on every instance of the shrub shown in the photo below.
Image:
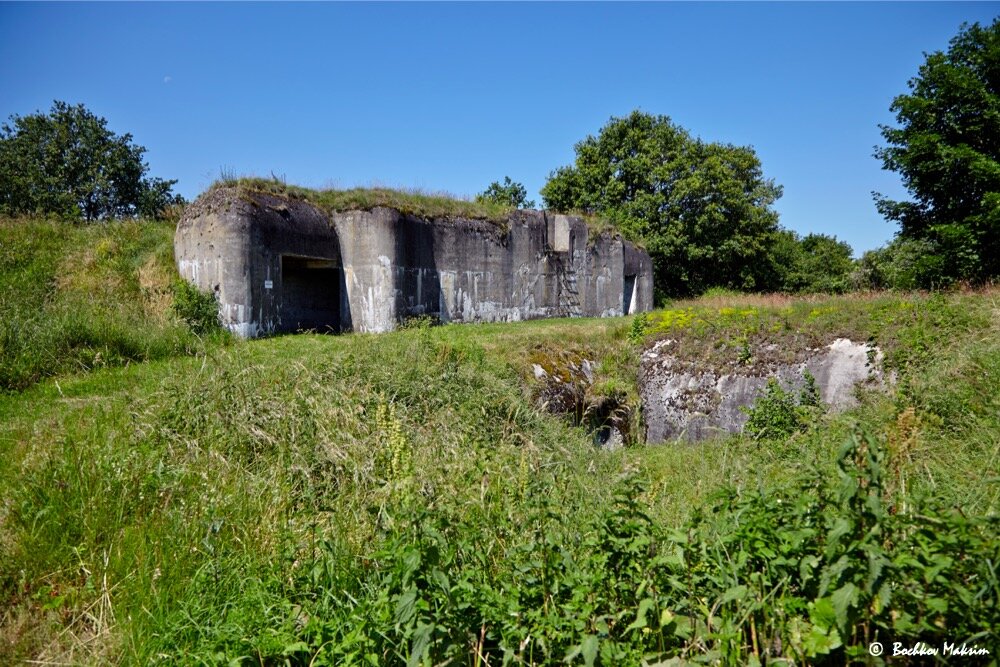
(904, 264)
(779, 412)
(198, 309)
(509, 194)
(638, 329)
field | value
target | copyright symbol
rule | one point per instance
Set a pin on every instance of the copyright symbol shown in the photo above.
(875, 649)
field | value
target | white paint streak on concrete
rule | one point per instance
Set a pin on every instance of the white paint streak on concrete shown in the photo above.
(448, 297)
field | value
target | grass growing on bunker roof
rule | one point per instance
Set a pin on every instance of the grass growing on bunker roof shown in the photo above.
(409, 201)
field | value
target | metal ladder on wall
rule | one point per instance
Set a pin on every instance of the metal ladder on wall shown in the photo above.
(569, 295)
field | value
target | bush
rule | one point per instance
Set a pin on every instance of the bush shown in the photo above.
(509, 194)
(779, 413)
(819, 263)
(904, 264)
(198, 309)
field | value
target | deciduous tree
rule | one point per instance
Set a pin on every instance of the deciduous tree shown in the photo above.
(946, 147)
(820, 263)
(703, 210)
(68, 163)
(510, 193)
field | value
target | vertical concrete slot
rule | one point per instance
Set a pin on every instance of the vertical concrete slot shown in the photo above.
(628, 297)
(310, 294)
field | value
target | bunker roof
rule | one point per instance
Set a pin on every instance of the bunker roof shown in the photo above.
(225, 193)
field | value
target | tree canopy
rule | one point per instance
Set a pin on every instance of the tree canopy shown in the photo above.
(946, 148)
(813, 263)
(68, 163)
(703, 210)
(510, 193)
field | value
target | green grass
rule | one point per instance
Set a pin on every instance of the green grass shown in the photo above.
(75, 298)
(400, 498)
(416, 202)
(278, 457)
(408, 201)
(728, 331)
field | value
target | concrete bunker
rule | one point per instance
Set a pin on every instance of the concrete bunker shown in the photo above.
(282, 264)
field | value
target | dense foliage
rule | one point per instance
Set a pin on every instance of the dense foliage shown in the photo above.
(814, 575)
(946, 147)
(903, 264)
(509, 193)
(813, 263)
(68, 163)
(196, 308)
(702, 210)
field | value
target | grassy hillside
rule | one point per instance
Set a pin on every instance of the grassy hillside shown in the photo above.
(82, 297)
(400, 498)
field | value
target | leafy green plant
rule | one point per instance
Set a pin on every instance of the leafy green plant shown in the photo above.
(779, 412)
(814, 263)
(418, 323)
(701, 209)
(638, 328)
(945, 152)
(198, 309)
(510, 194)
(68, 163)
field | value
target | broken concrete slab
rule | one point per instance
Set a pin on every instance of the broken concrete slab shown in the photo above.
(684, 402)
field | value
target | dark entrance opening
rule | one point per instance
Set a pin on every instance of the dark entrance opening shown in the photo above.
(310, 294)
(628, 297)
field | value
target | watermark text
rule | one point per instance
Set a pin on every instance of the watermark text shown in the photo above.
(925, 649)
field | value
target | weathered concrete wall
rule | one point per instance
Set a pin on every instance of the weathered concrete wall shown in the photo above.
(681, 403)
(234, 246)
(276, 264)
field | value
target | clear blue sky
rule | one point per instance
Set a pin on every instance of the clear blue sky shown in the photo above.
(452, 96)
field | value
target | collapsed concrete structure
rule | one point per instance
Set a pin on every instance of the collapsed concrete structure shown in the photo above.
(279, 264)
(690, 401)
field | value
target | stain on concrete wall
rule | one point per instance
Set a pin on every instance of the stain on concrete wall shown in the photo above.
(267, 258)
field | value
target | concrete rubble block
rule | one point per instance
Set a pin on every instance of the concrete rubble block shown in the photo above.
(684, 403)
